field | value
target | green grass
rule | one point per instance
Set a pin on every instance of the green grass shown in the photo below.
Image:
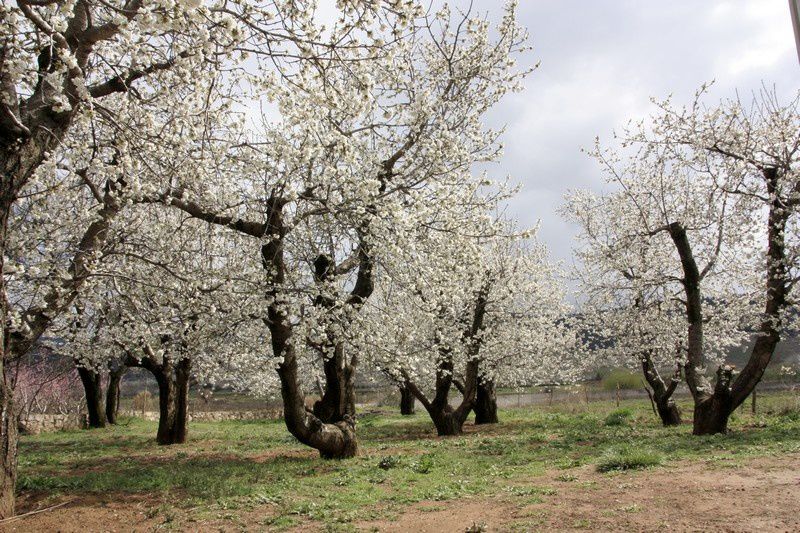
(230, 468)
(628, 458)
(618, 417)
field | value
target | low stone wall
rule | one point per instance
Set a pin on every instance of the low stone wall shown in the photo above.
(33, 424)
(36, 423)
(214, 416)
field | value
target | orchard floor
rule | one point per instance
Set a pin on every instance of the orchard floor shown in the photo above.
(565, 467)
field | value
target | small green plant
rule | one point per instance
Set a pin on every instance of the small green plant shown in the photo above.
(566, 477)
(424, 465)
(388, 462)
(627, 458)
(618, 417)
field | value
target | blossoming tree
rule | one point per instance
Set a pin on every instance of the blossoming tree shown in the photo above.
(709, 198)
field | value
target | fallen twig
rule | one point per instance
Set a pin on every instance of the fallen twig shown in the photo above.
(17, 517)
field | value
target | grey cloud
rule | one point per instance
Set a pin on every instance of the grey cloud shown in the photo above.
(601, 61)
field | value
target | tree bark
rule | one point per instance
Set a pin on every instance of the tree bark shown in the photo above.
(448, 420)
(93, 391)
(407, 401)
(173, 396)
(339, 399)
(486, 403)
(661, 393)
(9, 421)
(712, 409)
(8, 414)
(113, 393)
(336, 440)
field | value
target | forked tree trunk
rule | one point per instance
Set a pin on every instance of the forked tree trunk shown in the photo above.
(448, 420)
(661, 394)
(173, 396)
(712, 410)
(338, 400)
(334, 440)
(407, 401)
(93, 391)
(113, 393)
(486, 403)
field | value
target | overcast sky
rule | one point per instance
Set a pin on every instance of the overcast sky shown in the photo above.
(602, 60)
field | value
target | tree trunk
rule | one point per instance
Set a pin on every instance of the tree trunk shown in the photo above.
(8, 415)
(333, 440)
(8, 448)
(338, 400)
(93, 391)
(166, 404)
(669, 412)
(711, 414)
(173, 396)
(712, 410)
(113, 392)
(486, 403)
(447, 421)
(407, 401)
(661, 393)
(711, 417)
(182, 376)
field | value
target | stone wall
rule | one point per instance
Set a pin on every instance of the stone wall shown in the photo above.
(33, 424)
(36, 423)
(214, 416)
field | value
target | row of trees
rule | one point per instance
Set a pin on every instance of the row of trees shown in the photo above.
(151, 217)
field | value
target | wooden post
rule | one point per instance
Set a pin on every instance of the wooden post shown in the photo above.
(617, 393)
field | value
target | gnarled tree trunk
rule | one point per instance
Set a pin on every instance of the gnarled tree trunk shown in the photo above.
(335, 439)
(93, 390)
(660, 393)
(486, 403)
(338, 400)
(448, 420)
(713, 409)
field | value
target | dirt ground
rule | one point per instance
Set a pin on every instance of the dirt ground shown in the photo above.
(759, 494)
